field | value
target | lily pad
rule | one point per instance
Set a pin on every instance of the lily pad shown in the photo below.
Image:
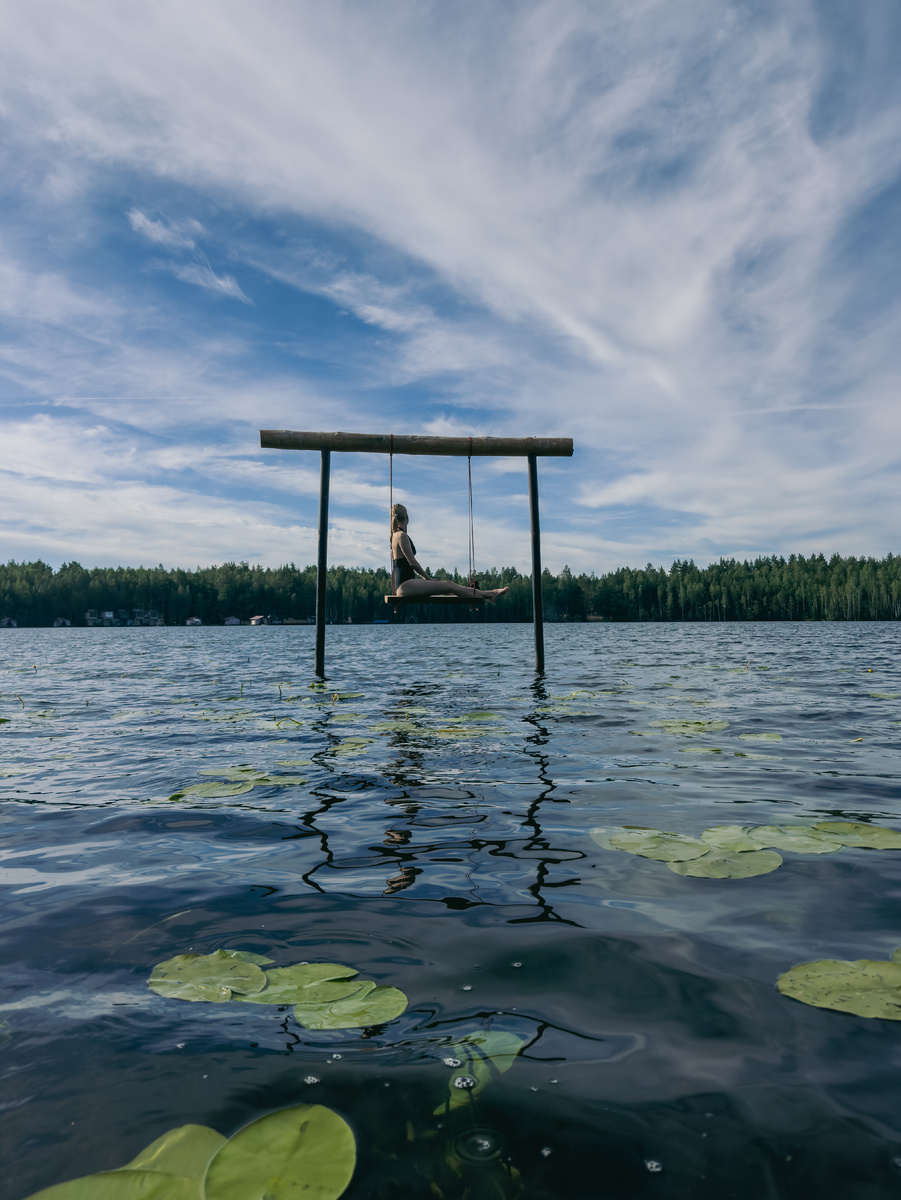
(394, 727)
(799, 838)
(307, 1150)
(211, 977)
(212, 791)
(730, 866)
(183, 1151)
(690, 728)
(123, 1185)
(304, 983)
(760, 737)
(478, 1053)
(248, 956)
(354, 745)
(856, 833)
(656, 844)
(233, 773)
(294, 762)
(701, 750)
(380, 1005)
(883, 695)
(864, 987)
(732, 839)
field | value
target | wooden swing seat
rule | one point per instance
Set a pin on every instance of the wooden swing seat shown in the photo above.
(475, 601)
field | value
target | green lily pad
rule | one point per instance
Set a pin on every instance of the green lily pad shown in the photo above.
(478, 1053)
(799, 838)
(280, 781)
(353, 745)
(380, 1005)
(700, 750)
(237, 714)
(656, 844)
(294, 762)
(183, 1151)
(211, 977)
(883, 695)
(394, 727)
(865, 987)
(233, 773)
(248, 956)
(731, 839)
(761, 737)
(481, 716)
(321, 982)
(213, 791)
(123, 1185)
(856, 833)
(690, 728)
(304, 1151)
(730, 866)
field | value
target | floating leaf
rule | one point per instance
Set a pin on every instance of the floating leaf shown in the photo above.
(322, 982)
(354, 745)
(307, 1150)
(656, 844)
(123, 1185)
(233, 773)
(398, 726)
(732, 839)
(856, 833)
(481, 716)
(238, 714)
(761, 737)
(183, 1151)
(279, 781)
(690, 728)
(380, 1005)
(865, 987)
(799, 838)
(700, 750)
(883, 695)
(211, 977)
(730, 866)
(475, 1052)
(212, 791)
(294, 762)
(248, 956)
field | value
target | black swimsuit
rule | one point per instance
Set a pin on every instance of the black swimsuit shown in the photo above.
(402, 570)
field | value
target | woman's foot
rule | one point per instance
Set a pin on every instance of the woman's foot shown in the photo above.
(493, 595)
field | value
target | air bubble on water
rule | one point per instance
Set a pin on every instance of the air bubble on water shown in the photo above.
(452, 1062)
(464, 1082)
(336, 1056)
(310, 1079)
(515, 964)
(533, 1089)
(546, 1152)
(652, 1165)
(467, 987)
(179, 1045)
(552, 1081)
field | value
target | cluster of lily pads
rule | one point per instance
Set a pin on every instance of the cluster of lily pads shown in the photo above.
(742, 851)
(306, 1149)
(324, 995)
(235, 781)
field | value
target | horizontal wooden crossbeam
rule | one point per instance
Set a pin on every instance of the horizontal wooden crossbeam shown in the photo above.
(476, 600)
(386, 443)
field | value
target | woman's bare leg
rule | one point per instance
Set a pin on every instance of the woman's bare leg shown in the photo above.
(443, 587)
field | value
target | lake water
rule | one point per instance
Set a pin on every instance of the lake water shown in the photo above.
(448, 854)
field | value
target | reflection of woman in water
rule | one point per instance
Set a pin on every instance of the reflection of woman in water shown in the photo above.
(409, 578)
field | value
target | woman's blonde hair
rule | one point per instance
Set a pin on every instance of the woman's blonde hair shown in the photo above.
(398, 513)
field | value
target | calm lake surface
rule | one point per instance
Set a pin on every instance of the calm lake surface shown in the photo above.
(448, 854)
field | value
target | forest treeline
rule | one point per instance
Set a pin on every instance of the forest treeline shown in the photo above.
(767, 589)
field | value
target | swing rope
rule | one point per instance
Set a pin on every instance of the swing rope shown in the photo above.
(391, 514)
(472, 543)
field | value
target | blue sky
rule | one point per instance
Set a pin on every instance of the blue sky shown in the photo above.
(669, 230)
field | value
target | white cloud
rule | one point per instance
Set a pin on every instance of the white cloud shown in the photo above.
(204, 276)
(177, 235)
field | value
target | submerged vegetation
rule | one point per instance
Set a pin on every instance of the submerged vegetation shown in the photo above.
(767, 589)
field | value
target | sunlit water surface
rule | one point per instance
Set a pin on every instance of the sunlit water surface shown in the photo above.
(449, 855)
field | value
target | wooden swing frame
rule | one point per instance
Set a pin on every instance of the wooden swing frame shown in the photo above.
(459, 447)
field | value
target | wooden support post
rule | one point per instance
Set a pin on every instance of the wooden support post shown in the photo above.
(537, 612)
(322, 562)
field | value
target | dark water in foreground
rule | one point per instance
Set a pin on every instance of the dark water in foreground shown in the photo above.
(449, 856)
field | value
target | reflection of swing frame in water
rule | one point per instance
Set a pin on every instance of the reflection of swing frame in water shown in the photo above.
(459, 447)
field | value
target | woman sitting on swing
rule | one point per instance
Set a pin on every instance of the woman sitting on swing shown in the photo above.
(409, 578)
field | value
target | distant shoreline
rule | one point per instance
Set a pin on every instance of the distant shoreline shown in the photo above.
(33, 595)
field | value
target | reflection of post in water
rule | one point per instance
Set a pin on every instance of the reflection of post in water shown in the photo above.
(538, 841)
(394, 840)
